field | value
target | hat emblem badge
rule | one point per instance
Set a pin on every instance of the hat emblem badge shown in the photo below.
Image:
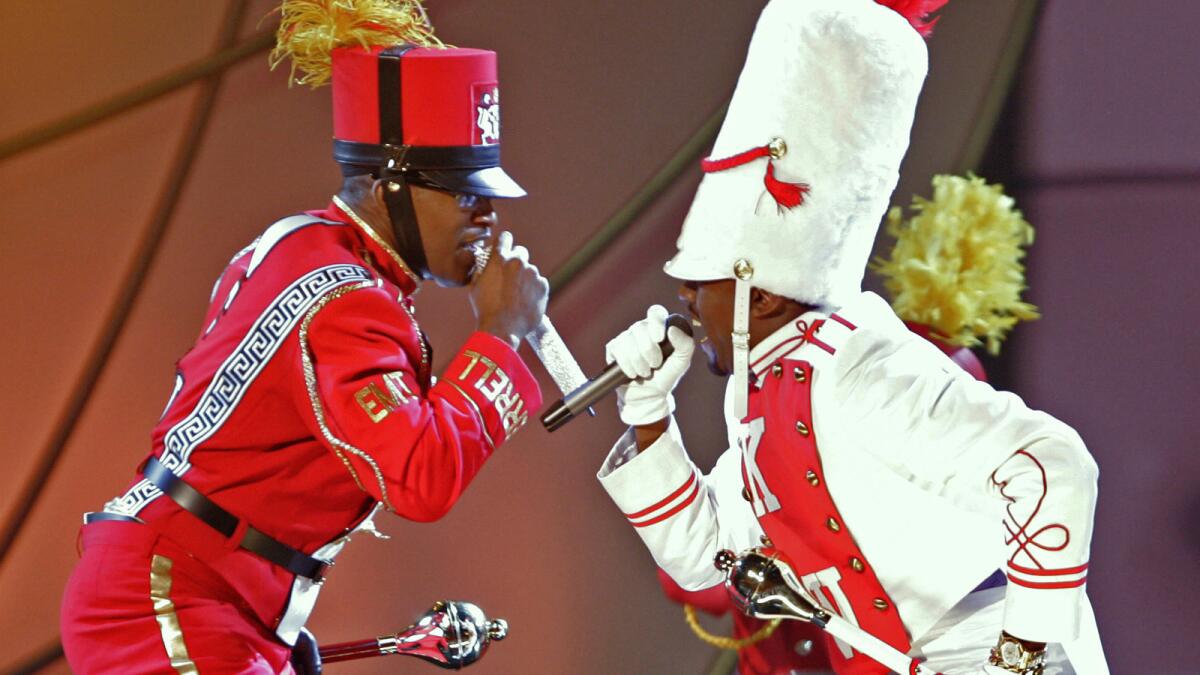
(487, 116)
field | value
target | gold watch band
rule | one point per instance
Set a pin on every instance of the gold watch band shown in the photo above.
(1013, 656)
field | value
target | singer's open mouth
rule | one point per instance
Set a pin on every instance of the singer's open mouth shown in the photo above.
(702, 336)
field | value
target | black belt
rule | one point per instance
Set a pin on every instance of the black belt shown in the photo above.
(97, 516)
(191, 500)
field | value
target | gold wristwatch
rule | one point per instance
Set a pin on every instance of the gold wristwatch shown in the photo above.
(1012, 655)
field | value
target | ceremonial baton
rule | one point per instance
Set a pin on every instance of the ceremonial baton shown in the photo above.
(765, 587)
(452, 634)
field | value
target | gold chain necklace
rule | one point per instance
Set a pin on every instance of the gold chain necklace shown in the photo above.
(370, 232)
(405, 303)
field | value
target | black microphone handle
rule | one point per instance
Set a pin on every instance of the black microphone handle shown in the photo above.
(598, 387)
(582, 398)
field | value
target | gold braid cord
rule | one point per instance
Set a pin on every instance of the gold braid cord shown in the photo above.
(689, 614)
(314, 395)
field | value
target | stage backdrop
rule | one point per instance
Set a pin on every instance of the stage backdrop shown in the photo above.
(112, 236)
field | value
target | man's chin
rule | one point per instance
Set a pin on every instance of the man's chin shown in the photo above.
(712, 360)
(716, 368)
(452, 283)
(458, 274)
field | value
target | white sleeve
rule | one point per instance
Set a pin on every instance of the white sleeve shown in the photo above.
(961, 438)
(682, 516)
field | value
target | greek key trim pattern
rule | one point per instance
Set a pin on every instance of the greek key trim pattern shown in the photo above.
(231, 381)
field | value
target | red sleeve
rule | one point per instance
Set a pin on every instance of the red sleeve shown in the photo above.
(416, 452)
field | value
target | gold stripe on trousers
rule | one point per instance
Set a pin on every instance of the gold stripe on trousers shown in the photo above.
(168, 621)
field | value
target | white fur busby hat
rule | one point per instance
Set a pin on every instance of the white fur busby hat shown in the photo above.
(809, 153)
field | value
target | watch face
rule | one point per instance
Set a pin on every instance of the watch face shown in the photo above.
(1011, 653)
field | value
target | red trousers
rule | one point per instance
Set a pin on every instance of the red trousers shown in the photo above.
(137, 603)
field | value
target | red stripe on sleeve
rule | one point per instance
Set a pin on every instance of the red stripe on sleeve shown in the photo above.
(665, 500)
(1049, 584)
(1047, 572)
(678, 507)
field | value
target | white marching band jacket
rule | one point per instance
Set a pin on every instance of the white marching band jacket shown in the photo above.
(940, 479)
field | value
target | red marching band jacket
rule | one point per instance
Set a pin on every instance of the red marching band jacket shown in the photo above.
(827, 560)
(797, 646)
(307, 401)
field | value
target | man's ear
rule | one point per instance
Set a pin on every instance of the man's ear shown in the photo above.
(767, 305)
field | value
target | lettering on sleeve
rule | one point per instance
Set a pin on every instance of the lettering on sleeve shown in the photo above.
(377, 401)
(490, 380)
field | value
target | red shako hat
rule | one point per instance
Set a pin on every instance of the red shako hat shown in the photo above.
(432, 112)
(404, 105)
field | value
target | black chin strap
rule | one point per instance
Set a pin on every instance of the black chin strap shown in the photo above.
(396, 190)
(404, 224)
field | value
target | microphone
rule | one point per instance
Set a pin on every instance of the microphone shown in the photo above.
(598, 387)
(544, 340)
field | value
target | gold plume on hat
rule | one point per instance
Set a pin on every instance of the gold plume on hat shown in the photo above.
(309, 31)
(956, 266)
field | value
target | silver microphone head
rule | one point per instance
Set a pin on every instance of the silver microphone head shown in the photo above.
(483, 253)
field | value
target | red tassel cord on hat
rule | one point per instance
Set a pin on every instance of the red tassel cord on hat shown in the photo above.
(917, 12)
(786, 195)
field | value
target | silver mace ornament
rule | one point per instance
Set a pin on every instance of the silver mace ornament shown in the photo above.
(765, 587)
(452, 634)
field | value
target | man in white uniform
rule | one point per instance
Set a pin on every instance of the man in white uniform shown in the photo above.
(945, 518)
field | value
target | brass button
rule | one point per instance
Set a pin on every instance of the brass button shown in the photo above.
(746, 494)
(833, 525)
(857, 565)
(798, 373)
(742, 269)
(802, 428)
(880, 604)
(812, 477)
(766, 541)
(777, 369)
(777, 148)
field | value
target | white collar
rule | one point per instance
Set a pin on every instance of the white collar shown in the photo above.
(866, 308)
(787, 339)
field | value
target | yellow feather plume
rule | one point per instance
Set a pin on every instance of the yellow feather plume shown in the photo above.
(956, 266)
(309, 31)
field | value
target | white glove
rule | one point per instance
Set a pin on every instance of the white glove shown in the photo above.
(648, 397)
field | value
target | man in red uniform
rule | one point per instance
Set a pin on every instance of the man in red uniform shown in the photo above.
(307, 401)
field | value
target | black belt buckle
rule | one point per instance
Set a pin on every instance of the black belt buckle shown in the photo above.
(100, 516)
